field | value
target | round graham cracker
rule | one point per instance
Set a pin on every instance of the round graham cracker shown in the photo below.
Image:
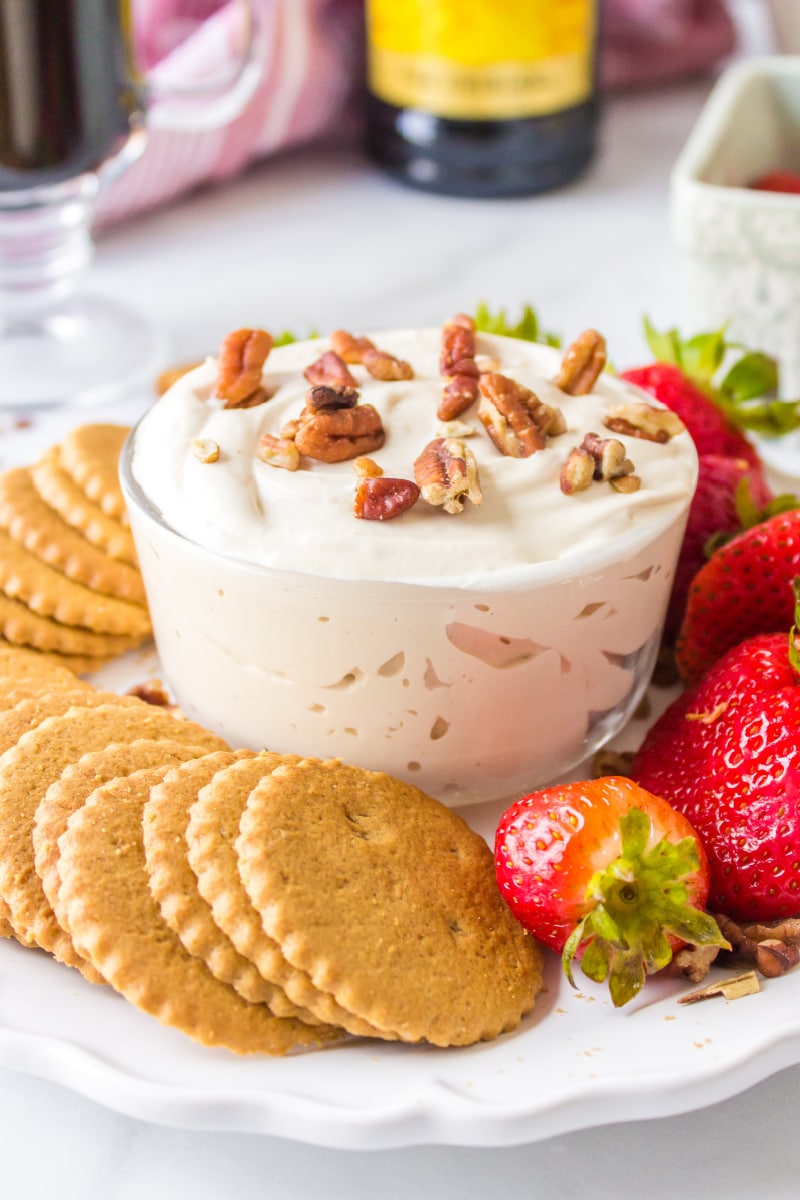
(21, 626)
(174, 884)
(90, 455)
(45, 591)
(64, 797)
(211, 834)
(17, 662)
(43, 533)
(60, 491)
(36, 761)
(116, 922)
(388, 900)
(76, 664)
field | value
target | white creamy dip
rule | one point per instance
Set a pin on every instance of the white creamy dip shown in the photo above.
(303, 520)
(477, 654)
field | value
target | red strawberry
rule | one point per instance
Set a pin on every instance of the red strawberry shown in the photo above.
(744, 589)
(714, 511)
(727, 755)
(777, 181)
(607, 869)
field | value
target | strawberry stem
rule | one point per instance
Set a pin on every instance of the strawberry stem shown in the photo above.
(637, 900)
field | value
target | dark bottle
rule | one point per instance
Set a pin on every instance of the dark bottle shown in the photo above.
(68, 93)
(482, 97)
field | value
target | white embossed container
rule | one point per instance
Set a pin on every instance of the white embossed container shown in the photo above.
(740, 247)
(476, 655)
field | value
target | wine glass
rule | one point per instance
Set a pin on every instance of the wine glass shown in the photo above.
(74, 114)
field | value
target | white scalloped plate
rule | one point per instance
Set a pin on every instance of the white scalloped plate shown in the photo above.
(574, 1062)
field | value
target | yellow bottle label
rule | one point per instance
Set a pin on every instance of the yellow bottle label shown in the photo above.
(481, 59)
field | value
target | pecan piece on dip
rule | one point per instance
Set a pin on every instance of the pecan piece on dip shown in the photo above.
(583, 364)
(380, 498)
(334, 434)
(348, 347)
(641, 420)
(458, 367)
(517, 421)
(241, 363)
(330, 369)
(447, 475)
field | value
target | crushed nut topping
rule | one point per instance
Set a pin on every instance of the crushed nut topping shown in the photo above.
(241, 363)
(205, 450)
(458, 343)
(577, 472)
(278, 452)
(383, 499)
(447, 474)
(583, 364)
(330, 369)
(324, 398)
(626, 484)
(517, 421)
(348, 347)
(458, 394)
(337, 434)
(772, 947)
(732, 989)
(367, 468)
(289, 429)
(640, 420)
(386, 367)
(458, 367)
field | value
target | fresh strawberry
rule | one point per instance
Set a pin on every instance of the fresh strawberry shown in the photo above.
(744, 589)
(606, 870)
(727, 755)
(777, 181)
(721, 507)
(716, 399)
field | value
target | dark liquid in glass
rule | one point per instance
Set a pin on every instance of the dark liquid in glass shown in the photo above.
(68, 91)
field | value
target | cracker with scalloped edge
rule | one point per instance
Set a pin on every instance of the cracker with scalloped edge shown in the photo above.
(58, 489)
(388, 900)
(21, 626)
(90, 455)
(47, 592)
(76, 664)
(68, 793)
(211, 835)
(19, 664)
(174, 884)
(61, 730)
(116, 922)
(42, 532)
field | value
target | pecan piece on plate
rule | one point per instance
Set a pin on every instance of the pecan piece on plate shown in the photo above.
(640, 420)
(334, 435)
(331, 370)
(241, 363)
(348, 347)
(278, 452)
(382, 499)
(386, 367)
(447, 474)
(517, 421)
(582, 364)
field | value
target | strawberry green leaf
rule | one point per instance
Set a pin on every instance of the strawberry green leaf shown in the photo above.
(701, 357)
(754, 375)
(527, 327)
(635, 902)
(665, 347)
(286, 337)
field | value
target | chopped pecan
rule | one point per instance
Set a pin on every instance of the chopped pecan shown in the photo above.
(517, 421)
(278, 452)
(330, 369)
(610, 457)
(458, 394)
(289, 429)
(447, 474)
(334, 435)
(456, 429)
(348, 347)
(152, 691)
(626, 484)
(382, 499)
(323, 398)
(385, 366)
(205, 449)
(458, 342)
(577, 472)
(640, 420)
(582, 364)
(241, 362)
(367, 468)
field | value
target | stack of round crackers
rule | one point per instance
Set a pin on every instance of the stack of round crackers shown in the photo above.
(255, 901)
(70, 585)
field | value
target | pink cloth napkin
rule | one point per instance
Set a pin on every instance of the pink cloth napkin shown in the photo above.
(310, 62)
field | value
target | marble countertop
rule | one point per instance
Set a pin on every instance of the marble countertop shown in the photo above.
(317, 239)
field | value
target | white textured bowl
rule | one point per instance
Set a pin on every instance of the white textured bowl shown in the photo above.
(740, 247)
